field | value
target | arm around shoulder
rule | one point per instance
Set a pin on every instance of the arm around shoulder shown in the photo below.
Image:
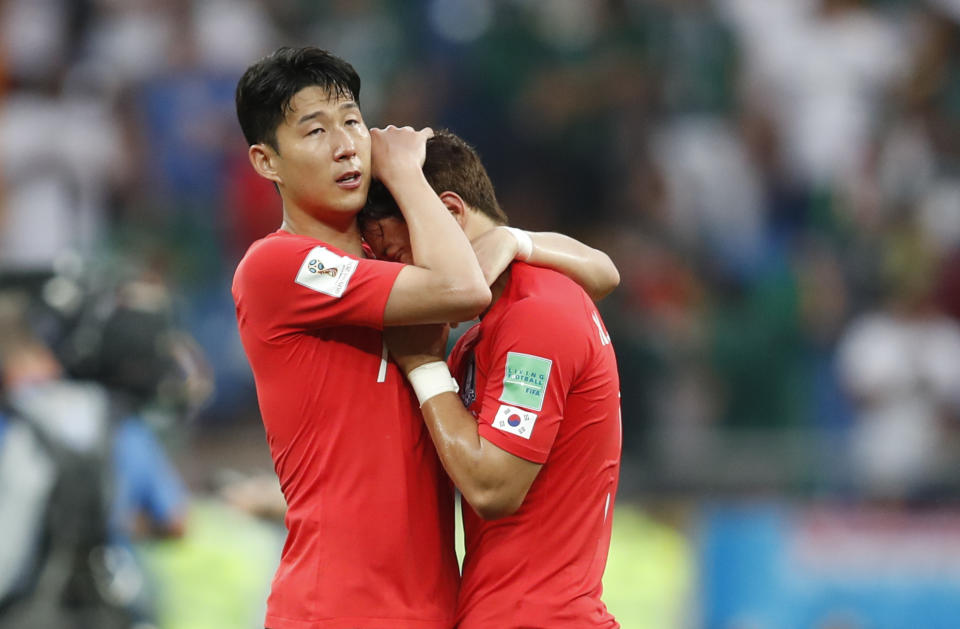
(493, 481)
(423, 296)
(591, 268)
(445, 282)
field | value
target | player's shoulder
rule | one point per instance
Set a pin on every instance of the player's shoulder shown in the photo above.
(269, 259)
(538, 275)
(546, 296)
(276, 253)
(545, 285)
(541, 322)
(260, 250)
(279, 243)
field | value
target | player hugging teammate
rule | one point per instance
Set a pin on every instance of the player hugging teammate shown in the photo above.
(370, 507)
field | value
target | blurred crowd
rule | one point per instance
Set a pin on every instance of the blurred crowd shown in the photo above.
(778, 182)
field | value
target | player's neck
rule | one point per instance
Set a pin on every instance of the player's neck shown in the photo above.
(496, 290)
(344, 235)
(476, 224)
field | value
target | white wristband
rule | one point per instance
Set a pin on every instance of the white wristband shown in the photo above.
(432, 379)
(524, 242)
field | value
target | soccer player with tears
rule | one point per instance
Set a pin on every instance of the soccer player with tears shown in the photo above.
(533, 439)
(370, 540)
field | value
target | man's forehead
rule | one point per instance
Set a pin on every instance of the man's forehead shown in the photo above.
(372, 231)
(315, 98)
(391, 222)
(372, 224)
(382, 226)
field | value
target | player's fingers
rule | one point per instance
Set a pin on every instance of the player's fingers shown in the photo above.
(427, 131)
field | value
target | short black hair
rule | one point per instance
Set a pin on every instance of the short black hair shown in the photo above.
(451, 164)
(266, 88)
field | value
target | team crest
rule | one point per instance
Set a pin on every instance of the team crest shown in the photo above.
(316, 266)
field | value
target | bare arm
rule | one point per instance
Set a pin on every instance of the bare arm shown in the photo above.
(445, 282)
(492, 480)
(591, 268)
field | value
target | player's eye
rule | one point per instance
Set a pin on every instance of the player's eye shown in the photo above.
(353, 121)
(316, 131)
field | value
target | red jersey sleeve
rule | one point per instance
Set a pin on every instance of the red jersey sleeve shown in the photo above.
(289, 284)
(534, 361)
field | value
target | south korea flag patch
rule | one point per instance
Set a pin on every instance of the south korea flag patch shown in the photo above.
(326, 272)
(515, 420)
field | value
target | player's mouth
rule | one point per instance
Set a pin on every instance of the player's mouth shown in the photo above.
(350, 180)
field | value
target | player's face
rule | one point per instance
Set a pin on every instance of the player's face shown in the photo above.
(389, 239)
(324, 154)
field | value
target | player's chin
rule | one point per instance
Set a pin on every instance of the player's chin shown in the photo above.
(348, 202)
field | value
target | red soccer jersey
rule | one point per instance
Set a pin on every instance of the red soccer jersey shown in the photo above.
(539, 374)
(370, 510)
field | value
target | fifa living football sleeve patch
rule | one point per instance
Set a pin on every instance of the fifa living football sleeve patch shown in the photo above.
(525, 380)
(515, 420)
(326, 272)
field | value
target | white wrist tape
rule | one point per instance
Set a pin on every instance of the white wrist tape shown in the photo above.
(524, 242)
(432, 379)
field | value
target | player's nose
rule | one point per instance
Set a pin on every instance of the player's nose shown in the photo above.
(344, 146)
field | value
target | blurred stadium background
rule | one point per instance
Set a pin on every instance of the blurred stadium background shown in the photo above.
(777, 180)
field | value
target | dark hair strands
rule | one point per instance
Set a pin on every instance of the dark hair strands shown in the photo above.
(265, 90)
(452, 165)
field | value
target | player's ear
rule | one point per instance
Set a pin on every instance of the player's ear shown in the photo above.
(264, 160)
(456, 205)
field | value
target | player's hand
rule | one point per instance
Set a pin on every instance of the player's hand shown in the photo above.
(495, 250)
(415, 345)
(397, 151)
